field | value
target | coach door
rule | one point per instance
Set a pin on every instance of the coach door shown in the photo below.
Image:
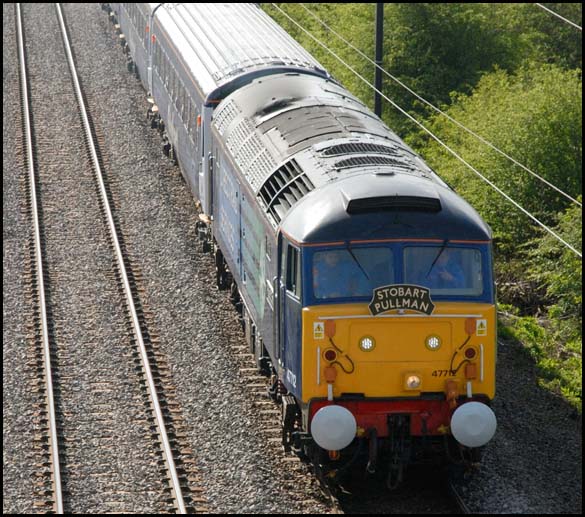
(205, 163)
(289, 316)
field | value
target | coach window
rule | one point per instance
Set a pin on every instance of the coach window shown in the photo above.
(144, 25)
(167, 73)
(268, 248)
(182, 101)
(187, 112)
(157, 59)
(163, 70)
(179, 97)
(192, 121)
(172, 83)
(186, 107)
(293, 271)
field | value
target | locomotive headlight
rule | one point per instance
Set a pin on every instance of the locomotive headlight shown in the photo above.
(412, 381)
(367, 344)
(433, 342)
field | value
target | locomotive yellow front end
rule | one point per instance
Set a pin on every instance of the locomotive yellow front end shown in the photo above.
(399, 350)
(416, 367)
(408, 355)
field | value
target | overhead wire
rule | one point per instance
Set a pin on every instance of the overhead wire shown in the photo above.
(438, 110)
(559, 16)
(433, 136)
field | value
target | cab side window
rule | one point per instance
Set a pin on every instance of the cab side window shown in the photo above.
(293, 271)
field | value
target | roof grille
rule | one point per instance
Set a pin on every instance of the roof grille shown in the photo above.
(225, 115)
(284, 188)
(355, 148)
(249, 152)
(394, 203)
(363, 161)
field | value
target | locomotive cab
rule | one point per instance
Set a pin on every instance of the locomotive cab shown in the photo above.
(388, 320)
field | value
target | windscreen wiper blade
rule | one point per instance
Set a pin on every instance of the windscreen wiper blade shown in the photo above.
(357, 261)
(437, 257)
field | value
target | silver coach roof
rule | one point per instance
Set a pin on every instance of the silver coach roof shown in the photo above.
(220, 42)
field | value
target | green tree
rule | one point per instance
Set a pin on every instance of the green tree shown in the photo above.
(439, 48)
(552, 40)
(554, 337)
(435, 48)
(560, 272)
(535, 116)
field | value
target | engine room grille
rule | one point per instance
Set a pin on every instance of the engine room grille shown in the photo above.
(284, 188)
(363, 161)
(224, 117)
(249, 152)
(357, 148)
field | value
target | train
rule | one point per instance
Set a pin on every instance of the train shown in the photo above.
(365, 283)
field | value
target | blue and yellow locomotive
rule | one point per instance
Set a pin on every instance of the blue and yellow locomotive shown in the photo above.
(366, 282)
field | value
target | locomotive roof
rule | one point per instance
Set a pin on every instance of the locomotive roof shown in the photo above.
(221, 43)
(314, 155)
(284, 116)
(368, 206)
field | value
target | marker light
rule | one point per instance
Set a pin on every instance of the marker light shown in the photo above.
(433, 342)
(367, 344)
(330, 354)
(470, 353)
(412, 382)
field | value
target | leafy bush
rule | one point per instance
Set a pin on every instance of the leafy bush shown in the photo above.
(535, 116)
(559, 362)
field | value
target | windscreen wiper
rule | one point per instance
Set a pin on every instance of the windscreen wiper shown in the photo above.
(437, 257)
(357, 261)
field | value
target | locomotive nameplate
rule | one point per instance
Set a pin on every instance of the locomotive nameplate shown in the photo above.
(401, 296)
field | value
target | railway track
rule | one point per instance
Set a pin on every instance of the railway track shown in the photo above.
(457, 496)
(109, 432)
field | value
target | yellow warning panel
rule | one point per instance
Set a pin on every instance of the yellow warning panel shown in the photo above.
(319, 330)
(403, 347)
(481, 328)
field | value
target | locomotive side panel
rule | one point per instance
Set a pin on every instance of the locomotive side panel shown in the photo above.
(247, 242)
(227, 227)
(253, 252)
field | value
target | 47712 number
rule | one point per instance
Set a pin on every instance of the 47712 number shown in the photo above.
(440, 373)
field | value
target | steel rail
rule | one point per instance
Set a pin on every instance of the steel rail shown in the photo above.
(122, 269)
(57, 489)
(456, 496)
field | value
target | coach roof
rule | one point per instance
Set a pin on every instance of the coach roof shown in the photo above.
(222, 43)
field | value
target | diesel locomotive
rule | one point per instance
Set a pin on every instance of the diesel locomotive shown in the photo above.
(365, 281)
